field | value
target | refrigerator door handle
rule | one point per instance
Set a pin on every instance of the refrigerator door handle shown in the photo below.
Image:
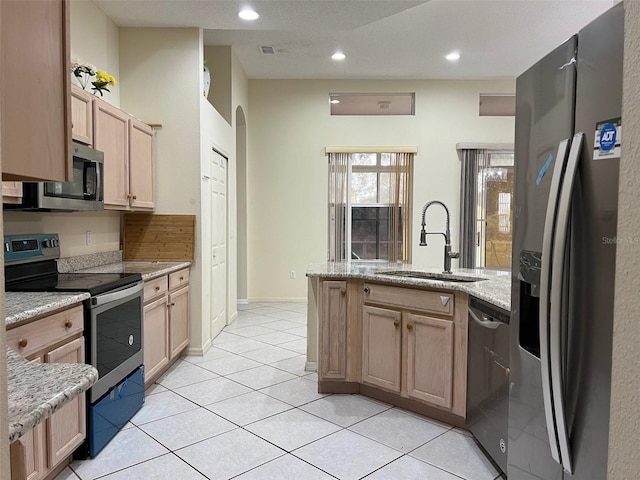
(545, 284)
(555, 319)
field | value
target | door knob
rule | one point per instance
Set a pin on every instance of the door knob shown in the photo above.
(396, 323)
(409, 326)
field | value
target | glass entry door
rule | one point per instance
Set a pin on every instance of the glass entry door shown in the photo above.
(494, 206)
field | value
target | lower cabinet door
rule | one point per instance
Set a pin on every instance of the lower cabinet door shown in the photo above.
(156, 337)
(332, 356)
(178, 321)
(66, 429)
(429, 368)
(381, 344)
(28, 456)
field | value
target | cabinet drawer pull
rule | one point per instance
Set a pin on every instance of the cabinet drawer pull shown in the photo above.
(367, 290)
(157, 288)
(396, 323)
(343, 291)
(181, 278)
(23, 342)
(409, 326)
(68, 324)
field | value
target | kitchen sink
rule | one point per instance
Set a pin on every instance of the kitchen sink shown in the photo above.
(444, 277)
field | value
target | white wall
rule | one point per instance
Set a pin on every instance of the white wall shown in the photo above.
(289, 129)
(94, 39)
(624, 431)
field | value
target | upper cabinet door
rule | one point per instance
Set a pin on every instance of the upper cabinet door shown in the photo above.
(35, 99)
(141, 165)
(111, 136)
(81, 115)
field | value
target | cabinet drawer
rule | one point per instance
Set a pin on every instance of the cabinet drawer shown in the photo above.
(156, 287)
(178, 279)
(440, 303)
(35, 336)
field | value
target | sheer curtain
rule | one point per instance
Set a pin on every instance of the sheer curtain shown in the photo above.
(395, 186)
(338, 197)
(400, 189)
(473, 161)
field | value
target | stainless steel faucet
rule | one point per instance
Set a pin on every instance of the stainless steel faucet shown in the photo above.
(448, 254)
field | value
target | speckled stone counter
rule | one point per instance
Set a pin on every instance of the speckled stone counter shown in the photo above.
(38, 390)
(148, 270)
(23, 306)
(495, 287)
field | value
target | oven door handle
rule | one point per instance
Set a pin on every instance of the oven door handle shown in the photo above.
(117, 295)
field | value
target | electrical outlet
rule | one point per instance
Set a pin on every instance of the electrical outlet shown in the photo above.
(89, 239)
(292, 274)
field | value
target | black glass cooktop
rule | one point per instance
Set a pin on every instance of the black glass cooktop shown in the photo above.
(94, 283)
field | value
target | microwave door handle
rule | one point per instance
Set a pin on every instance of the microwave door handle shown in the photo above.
(99, 193)
(557, 305)
(545, 281)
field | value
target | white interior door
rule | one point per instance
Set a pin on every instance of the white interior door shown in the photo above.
(218, 242)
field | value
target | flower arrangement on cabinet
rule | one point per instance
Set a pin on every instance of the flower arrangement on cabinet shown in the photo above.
(84, 71)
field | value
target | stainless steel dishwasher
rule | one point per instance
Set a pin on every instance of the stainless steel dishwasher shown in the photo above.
(488, 378)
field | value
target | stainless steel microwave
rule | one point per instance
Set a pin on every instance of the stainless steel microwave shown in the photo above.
(84, 192)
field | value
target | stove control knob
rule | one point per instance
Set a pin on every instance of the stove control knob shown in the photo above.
(6, 247)
(46, 243)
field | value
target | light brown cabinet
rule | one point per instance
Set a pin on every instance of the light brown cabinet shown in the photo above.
(166, 322)
(127, 144)
(404, 345)
(53, 339)
(381, 347)
(11, 192)
(332, 358)
(81, 115)
(37, 94)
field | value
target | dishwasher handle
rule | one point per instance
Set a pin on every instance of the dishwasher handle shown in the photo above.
(485, 321)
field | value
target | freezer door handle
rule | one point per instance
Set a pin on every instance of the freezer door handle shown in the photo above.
(556, 314)
(545, 284)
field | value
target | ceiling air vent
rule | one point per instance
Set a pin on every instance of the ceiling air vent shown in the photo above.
(266, 50)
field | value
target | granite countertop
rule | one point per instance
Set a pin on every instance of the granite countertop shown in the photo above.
(22, 306)
(149, 270)
(37, 390)
(495, 287)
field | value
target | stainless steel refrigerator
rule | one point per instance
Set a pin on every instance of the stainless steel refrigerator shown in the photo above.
(567, 154)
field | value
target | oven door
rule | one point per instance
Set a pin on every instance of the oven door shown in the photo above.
(115, 336)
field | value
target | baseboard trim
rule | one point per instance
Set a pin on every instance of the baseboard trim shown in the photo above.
(243, 301)
(311, 367)
(278, 300)
(232, 318)
(198, 351)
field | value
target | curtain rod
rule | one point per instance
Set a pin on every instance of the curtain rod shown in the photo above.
(371, 149)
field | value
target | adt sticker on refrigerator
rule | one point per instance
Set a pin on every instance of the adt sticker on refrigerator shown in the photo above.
(608, 138)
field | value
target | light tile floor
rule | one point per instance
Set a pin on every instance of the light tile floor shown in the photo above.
(248, 410)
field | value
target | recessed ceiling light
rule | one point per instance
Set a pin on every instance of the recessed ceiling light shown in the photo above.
(334, 101)
(453, 56)
(248, 14)
(338, 56)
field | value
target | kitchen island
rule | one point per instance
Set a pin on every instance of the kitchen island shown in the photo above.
(396, 332)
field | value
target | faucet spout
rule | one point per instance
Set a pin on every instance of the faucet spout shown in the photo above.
(448, 254)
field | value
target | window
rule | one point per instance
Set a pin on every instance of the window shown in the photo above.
(369, 206)
(372, 103)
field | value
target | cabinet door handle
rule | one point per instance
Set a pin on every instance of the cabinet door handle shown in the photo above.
(172, 304)
(157, 288)
(396, 323)
(68, 324)
(409, 326)
(343, 291)
(367, 290)
(23, 342)
(129, 196)
(134, 197)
